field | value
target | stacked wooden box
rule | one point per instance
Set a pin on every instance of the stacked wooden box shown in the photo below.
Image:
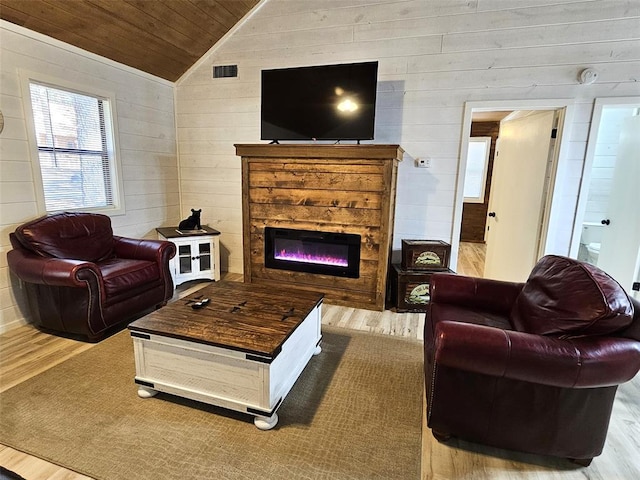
(409, 280)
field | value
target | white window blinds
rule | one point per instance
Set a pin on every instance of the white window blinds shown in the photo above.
(73, 150)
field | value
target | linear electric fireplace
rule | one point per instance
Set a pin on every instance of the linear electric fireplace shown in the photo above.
(325, 253)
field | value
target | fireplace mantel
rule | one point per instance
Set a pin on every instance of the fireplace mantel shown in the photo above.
(332, 188)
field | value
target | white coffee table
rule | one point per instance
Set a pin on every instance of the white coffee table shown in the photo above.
(244, 350)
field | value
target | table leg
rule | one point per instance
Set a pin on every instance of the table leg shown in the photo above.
(146, 392)
(266, 423)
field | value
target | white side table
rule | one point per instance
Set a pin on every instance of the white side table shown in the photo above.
(198, 253)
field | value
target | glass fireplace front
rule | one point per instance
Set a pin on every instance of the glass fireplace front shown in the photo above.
(325, 253)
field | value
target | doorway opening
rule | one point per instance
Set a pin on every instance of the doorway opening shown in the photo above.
(516, 229)
(485, 128)
(606, 231)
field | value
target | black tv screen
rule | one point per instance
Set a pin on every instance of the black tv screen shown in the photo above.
(328, 102)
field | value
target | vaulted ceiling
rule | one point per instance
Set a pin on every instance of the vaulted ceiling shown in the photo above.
(160, 37)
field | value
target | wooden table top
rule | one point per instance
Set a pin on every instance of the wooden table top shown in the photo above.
(240, 316)
(173, 232)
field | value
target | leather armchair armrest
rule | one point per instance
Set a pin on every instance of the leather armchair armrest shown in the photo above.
(476, 293)
(159, 251)
(57, 272)
(586, 362)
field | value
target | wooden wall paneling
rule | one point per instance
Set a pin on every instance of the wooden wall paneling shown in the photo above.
(246, 222)
(346, 189)
(386, 229)
(331, 180)
(161, 37)
(117, 40)
(185, 24)
(327, 215)
(538, 55)
(145, 129)
(406, 38)
(542, 34)
(539, 75)
(310, 196)
(365, 284)
(488, 21)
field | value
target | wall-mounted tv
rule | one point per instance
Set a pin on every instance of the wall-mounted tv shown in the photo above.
(326, 102)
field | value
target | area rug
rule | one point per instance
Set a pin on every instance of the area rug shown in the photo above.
(355, 413)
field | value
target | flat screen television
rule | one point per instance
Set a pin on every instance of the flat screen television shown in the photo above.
(326, 102)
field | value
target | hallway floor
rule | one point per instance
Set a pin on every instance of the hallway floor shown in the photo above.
(471, 259)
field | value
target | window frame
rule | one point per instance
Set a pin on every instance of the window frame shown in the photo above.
(487, 142)
(113, 150)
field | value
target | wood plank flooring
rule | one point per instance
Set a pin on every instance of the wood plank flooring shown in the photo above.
(25, 352)
(471, 259)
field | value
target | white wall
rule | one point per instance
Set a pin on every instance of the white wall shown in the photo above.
(434, 55)
(146, 122)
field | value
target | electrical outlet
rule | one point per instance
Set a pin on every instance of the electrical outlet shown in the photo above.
(423, 162)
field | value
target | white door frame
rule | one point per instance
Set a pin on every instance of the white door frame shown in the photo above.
(592, 141)
(564, 128)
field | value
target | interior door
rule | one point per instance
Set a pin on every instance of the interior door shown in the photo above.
(517, 196)
(607, 226)
(620, 245)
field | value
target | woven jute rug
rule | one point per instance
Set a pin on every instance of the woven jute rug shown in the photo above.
(355, 413)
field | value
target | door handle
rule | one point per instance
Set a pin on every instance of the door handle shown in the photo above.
(606, 221)
(492, 214)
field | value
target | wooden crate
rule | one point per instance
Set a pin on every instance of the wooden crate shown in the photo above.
(425, 255)
(409, 289)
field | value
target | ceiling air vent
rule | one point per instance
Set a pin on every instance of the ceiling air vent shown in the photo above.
(222, 71)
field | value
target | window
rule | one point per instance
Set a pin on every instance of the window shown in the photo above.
(476, 174)
(75, 149)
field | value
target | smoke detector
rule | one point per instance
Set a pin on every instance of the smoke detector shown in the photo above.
(588, 76)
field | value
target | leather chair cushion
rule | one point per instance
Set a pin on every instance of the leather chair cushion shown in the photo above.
(87, 237)
(122, 275)
(568, 298)
(446, 312)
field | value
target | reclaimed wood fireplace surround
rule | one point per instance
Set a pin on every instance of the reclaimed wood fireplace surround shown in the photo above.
(330, 188)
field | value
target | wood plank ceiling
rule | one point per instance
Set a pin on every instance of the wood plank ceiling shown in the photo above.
(160, 37)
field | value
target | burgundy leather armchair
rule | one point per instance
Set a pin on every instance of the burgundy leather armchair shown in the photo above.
(532, 366)
(81, 279)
